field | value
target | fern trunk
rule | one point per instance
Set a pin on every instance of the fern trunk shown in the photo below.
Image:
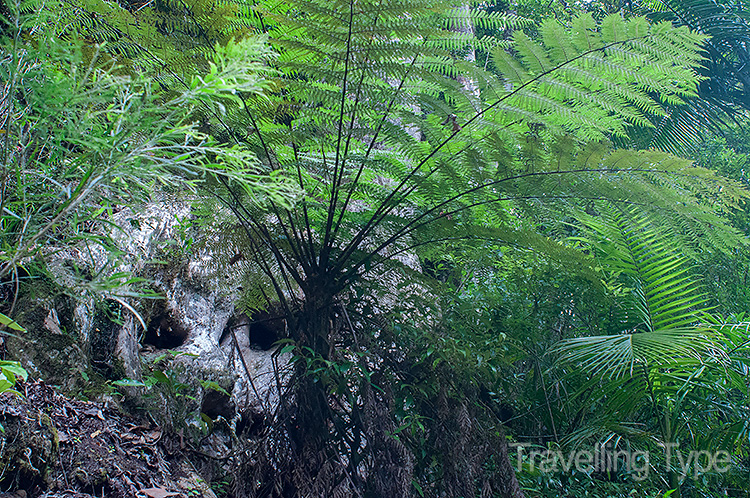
(511, 488)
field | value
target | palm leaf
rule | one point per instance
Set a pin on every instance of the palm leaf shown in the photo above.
(617, 356)
(667, 303)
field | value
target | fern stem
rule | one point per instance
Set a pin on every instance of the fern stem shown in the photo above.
(349, 138)
(327, 242)
(308, 227)
(374, 139)
(410, 225)
(263, 234)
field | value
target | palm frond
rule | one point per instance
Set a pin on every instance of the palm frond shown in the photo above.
(667, 306)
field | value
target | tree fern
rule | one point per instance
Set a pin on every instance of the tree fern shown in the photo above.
(399, 142)
(394, 154)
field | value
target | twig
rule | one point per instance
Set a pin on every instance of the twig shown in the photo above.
(64, 472)
(15, 293)
(206, 455)
(247, 370)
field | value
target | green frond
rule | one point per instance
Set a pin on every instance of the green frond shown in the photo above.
(532, 54)
(618, 356)
(585, 35)
(556, 38)
(509, 67)
(667, 302)
(664, 296)
(498, 21)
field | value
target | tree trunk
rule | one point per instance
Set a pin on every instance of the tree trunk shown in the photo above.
(511, 488)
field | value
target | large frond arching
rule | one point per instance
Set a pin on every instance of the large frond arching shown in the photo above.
(665, 303)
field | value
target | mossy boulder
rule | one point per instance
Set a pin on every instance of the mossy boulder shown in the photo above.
(51, 348)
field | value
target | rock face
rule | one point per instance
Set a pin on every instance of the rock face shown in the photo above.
(55, 345)
(187, 359)
(191, 359)
(83, 345)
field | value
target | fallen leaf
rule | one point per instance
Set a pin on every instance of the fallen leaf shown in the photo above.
(153, 436)
(158, 493)
(94, 412)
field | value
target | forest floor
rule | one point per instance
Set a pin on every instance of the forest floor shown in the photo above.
(54, 446)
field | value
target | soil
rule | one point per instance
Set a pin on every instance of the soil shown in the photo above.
(54, 446)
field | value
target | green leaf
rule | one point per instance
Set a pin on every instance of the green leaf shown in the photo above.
(160, 376)
(6, 383)
(417, 487)
(14, 368)
(9, 322)
(213, 385)
(287, 349)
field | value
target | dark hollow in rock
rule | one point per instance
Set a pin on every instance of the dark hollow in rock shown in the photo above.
(164, 331)
(217, 404)
(265, 329)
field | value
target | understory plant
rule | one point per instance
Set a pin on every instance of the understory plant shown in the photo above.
(82, 137)
(662, 382)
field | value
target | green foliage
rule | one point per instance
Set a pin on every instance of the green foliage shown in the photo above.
(172, 40)
(726, 274)
(643, 259)
(157, 376)
(400, 144)
(451, 171)
(607, 74)
(6, 321)
(668, 366)
(10, 372)
(664, 304)
(722, 94)
(212, 385)
(403, 145)
(81, 137)
(729, 29)
(166, 385)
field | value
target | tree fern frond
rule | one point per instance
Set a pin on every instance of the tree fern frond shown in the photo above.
(497, 21)
(532, 54)
(665, 297)
(559, 42)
